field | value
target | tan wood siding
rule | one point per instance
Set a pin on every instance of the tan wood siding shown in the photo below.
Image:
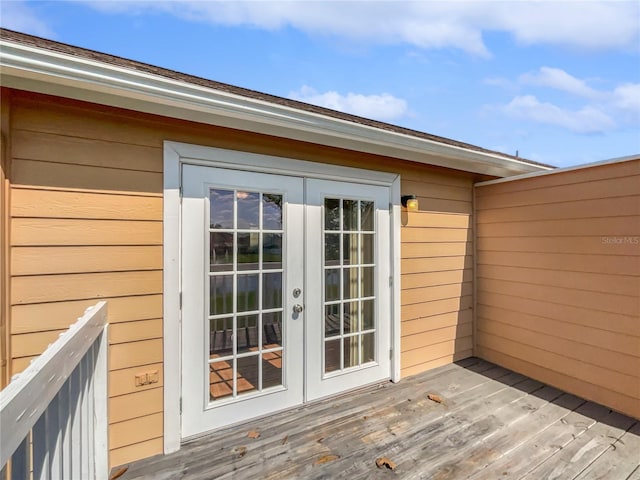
(86, 217)
(558, 279)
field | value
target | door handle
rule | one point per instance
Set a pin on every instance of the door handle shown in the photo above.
(297, 308)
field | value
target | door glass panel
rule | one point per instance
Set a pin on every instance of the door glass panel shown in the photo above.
(247, 296)
(331, 249)
(332, 320)
(332, 214)
(272, 369)
(349, 285)
(272, 290)
(350, 215)
(272, 329)
(248, 210)
(366, 216)
(220, 252)
(221, 208)
(248, 253)
(271, 211)
(245, 342)
(248, 377)
(332, 355)
(220, 379)
(271, 251)
(221, 294)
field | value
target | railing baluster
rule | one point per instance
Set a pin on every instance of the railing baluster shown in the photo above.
(74, 412)
(20, 461)
(53, 438)
(90, 410)
(64, 413)
(39, 448)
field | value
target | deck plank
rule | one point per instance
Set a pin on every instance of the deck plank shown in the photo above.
(491, 421)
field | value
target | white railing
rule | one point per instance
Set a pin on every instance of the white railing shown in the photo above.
(53, 415)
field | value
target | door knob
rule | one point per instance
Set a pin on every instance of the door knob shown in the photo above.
(297, 308)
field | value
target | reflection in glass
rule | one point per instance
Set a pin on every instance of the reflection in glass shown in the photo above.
(220, 380)
(350, 352)
(367, 281)
(331, 214)
(351, 317)
(350, 214)
(247, 333)
(220, 294)
(368, 347)
(366, 216)
(332, 320)
(248, 254)
(271, 211)
(272, 329)
(331, 355)
(272, 369)
(248, 210)
(220, 337)
(350, 286)
(271, 251)
(272, 290)
(220, 208)
(247, 376)
(331, 284)
(367, 248)
(247, 295)
(368, 314)
(331, 249)
(221, 251)
(350, 249)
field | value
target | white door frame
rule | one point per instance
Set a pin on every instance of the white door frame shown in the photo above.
(176, 154)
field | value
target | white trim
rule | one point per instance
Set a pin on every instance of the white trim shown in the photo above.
(171, 299)
(628, 158)
(176, 154)
(54, 73)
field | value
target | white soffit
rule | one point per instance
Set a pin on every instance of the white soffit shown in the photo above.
(44, 71)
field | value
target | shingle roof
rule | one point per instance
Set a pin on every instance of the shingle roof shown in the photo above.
(33, 41)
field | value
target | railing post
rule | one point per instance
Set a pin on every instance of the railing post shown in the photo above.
(101, 408)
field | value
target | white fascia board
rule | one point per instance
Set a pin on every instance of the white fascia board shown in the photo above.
(45, 71)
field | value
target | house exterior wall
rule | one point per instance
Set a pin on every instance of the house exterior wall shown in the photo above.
(86, 224)
(558, 280)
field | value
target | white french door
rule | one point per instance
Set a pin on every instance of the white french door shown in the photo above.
(285, 292)
(349, 312)
(242, 263)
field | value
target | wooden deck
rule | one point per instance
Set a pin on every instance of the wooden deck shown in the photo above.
(492, 424)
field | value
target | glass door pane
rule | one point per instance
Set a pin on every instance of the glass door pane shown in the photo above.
(245, 292)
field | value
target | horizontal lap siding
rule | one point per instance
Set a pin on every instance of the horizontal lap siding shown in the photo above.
(86, 213)
(558, 280)
(86, 224)
(436, 279)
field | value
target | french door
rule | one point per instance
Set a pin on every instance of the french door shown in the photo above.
(285, 292)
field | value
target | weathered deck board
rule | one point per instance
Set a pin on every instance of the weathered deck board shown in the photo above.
(493, 423)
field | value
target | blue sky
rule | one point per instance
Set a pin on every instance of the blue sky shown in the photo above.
(559, 82)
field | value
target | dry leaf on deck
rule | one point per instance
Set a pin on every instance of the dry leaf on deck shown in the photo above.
(253, 434)
(325, 459)
(435, 398)
(240, 451)
(119, 473)
(385, 462)
(285, 439)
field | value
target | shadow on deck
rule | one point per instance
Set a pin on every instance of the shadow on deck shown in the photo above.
(493, 423)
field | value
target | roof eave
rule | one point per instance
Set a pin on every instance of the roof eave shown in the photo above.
(44, 71)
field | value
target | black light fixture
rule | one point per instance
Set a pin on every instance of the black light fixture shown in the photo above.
(410, 202)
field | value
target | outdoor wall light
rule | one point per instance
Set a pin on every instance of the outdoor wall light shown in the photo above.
(410, 202)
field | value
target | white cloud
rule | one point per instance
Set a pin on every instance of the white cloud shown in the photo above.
(559, 80)
(627, 97)
(17, 15)
(588, 119)
(381, 107)
(596, 25)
